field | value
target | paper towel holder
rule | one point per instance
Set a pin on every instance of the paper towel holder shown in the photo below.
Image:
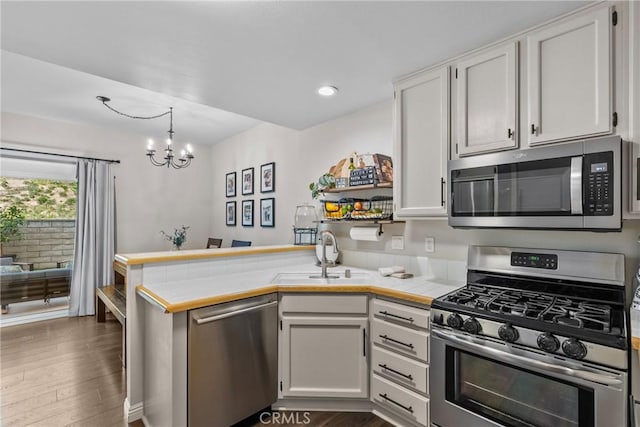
(381, 231)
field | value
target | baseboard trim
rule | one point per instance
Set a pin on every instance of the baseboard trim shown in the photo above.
(33, 317)
(133, 412)
(329, 405)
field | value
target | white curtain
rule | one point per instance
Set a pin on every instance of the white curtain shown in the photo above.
(95, 235)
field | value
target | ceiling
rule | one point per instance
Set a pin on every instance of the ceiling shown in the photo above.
(227, 65)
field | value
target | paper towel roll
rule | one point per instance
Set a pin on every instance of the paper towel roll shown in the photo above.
(371, 234)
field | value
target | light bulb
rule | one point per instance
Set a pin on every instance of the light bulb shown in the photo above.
(189, 148)
(150, 144)
(168, 141)
(327, 90)
(182, 153)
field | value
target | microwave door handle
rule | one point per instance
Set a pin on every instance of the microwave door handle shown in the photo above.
(471, 344)
(576, 185)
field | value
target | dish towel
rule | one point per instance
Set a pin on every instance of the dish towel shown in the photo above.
(388, 271)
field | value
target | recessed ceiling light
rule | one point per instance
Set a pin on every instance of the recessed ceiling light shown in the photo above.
(327, 90)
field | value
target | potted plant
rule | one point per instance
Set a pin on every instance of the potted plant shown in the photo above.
(325, 181)
(178, 237)
(11, 222)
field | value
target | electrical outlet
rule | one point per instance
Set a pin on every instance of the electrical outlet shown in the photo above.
(397, 242)
(429, 244)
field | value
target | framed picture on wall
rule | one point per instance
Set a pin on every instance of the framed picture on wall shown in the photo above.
(230, 182)
(268, 212)
(230, 213)
(247, 181)
(268, 178)
(247, 213)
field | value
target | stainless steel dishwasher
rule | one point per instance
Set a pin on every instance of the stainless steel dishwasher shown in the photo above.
(233, 360)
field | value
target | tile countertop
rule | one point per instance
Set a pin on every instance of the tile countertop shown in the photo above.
(178, 296)
(201, 254)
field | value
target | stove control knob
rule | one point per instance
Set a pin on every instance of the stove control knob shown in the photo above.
(454, 320)
(508, 333)
(438, 319)
(574, 349)
(548, 342)
(471, 326)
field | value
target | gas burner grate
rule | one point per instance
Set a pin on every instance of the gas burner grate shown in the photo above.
(536, 306)
(583, 315)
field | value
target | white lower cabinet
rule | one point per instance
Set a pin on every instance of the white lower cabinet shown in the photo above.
(400, 362)
(323, 350)
(400, 400)
(400, 339)
(404, 371)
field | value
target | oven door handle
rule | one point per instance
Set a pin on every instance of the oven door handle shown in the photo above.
(472, 344)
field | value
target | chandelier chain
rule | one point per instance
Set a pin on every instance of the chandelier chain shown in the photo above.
(135, 117)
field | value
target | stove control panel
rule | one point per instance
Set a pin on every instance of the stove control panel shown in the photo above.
(545, 261)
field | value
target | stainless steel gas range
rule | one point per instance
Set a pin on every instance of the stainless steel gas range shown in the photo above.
(536, 338)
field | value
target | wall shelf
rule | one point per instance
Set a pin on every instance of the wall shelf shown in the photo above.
(359, 221)
(359, 188)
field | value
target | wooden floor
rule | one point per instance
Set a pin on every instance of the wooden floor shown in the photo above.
(314, 419)
(67, 372)
(62, 372)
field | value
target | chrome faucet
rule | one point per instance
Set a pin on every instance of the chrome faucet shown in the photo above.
(324, 262)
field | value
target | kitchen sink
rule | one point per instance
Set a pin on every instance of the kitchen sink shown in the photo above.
(314, 278)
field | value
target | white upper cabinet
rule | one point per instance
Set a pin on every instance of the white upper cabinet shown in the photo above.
(487, 96)
(421, 144)
(569, 91)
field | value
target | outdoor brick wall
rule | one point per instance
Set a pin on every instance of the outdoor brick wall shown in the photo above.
(44, 243)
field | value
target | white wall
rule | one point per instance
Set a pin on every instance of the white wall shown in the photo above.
(148, 198)
(303, 156)
(300, 156)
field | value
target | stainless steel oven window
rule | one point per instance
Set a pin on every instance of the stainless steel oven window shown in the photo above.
(513, 396)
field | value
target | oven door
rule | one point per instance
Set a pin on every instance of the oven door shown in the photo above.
(478, 382)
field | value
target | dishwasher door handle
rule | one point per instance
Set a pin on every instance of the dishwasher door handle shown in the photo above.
(201, 321)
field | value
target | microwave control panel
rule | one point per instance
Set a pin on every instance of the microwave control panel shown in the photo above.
(598, 184)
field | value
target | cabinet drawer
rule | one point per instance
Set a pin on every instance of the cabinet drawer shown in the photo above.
(410, 342)
(400, 314)
(352, 304)
(399, 400)
(400, 369)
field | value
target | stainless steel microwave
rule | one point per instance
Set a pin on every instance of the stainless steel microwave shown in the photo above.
(573, 186)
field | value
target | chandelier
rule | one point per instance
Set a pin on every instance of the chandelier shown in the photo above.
(169, 159)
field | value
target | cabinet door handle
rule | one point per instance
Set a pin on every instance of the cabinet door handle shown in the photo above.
(385, 367)
(364, 342)
(384, 337)
(406, 408)
(509, 133)
(386, 313)
(533, 129)
(442, 191)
